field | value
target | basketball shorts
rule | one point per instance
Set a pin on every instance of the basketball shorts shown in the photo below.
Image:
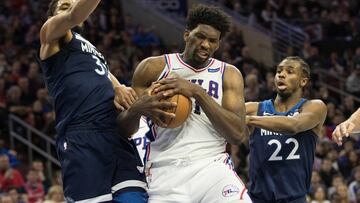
(210, 180)
(97, 165)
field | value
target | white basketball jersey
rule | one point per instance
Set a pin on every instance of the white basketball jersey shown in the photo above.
(139, 138)
(196, 138)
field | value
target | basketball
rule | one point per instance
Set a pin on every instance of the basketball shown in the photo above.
(182, 110)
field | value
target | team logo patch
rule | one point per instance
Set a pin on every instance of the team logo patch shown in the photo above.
(210, 70)
(230, 190)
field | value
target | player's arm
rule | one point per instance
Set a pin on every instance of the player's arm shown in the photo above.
(58, 25)
(251, 110)
(347, 127)
(228, 119)
(124, 96)
(148, 104)
(313, 114)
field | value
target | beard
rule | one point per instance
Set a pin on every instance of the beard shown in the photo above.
(284, 95)
(78, 29)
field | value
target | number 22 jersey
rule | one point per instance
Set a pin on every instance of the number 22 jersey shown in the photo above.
(280, 164)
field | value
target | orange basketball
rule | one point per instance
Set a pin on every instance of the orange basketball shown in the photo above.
(182, 110)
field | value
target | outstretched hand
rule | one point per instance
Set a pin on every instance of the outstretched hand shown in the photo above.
(341, 130)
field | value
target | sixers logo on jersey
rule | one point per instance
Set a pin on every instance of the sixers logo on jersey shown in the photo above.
(230, 190)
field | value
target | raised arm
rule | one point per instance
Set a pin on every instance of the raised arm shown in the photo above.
(312, 115)
(73, 14)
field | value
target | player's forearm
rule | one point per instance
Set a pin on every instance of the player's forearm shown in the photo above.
(281, 124)
(355, 118)
(228, 124)
(128, 122)
(82, 10)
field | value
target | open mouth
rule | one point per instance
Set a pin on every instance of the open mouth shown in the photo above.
(281, 85)
(203, 54)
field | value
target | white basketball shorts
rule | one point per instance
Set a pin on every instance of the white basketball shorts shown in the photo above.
(210, 180)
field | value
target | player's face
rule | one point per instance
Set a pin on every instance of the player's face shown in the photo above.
(64, 6)
(202, 42)
(289, 77)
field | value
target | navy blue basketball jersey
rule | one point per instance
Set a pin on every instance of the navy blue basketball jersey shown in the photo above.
(280, 164)
(77, 78)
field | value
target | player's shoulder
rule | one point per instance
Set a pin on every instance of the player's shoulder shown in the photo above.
(150, 68)
(152, 64)
(154, 60)
(232, 76)
(315, 104)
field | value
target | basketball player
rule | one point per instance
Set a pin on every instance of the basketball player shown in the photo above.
(283, 137)
(347, 127)
(97, 164)
(188, 163)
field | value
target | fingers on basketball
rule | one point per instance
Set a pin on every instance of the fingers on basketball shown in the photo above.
(181, 111)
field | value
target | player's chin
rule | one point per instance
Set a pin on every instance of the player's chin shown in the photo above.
(283, 93)
(201, 60)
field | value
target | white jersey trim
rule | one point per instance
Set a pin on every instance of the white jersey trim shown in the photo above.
(128, 183)
(102, 198)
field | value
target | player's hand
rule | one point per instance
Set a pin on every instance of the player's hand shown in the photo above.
(341, 130)
(176, 85)
(124, 97)
(150, 105)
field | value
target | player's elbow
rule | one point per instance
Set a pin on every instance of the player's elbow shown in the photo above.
(237, 138)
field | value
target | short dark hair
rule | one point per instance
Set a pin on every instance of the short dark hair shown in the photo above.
(208, 15)
(52, 7)
(304, 66)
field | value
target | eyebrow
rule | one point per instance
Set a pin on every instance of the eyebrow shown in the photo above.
(290, 67)
(64, 4)
(206, 35)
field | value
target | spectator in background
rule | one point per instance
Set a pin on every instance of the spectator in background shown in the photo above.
(336, 181)
(10, 153)
(315, 182)
(353, 81)
(38, 166)
(9, 176)
(55, 195)
(341, 194)
(5, 198)
(252, 88)
(34, 187)
(327, 172)
(320, 196)
(16, 196)
(14, 103)
(348, 161)
(354, 186)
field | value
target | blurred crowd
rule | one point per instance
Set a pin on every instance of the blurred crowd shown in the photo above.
(321, 19)
(336, 175)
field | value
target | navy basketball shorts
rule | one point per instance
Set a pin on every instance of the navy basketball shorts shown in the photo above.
(97, 165)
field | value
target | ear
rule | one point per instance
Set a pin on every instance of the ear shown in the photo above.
(186, 35)
(303, 82)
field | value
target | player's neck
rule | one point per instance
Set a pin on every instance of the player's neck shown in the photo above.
(284, 104)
